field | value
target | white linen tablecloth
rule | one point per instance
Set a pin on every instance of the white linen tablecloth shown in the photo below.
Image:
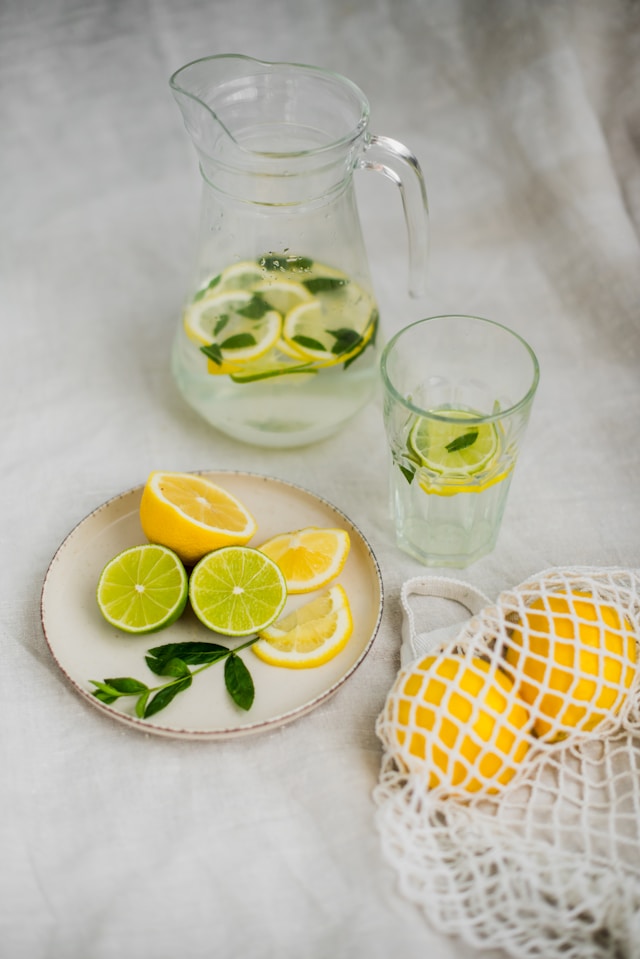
(526, 119)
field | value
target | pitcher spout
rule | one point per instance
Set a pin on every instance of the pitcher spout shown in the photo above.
(196, 88)
(257, 126)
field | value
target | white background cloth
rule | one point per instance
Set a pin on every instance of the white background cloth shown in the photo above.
(526, 119)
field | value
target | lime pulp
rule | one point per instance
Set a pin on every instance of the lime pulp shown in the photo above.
(453, 442)
(143, 589)
(237, 590)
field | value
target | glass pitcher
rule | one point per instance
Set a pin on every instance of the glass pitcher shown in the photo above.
(278, 343)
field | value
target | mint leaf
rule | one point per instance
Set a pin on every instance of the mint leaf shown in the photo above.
(409, 474)
(239, 341)
(165, 695)
(281, 261)
(125, 685)
(238, 681)
(213, 352)
(309, 343)
(195, 654)
(461, 442)
(324, 284)
(210, 285)
(255, 308)
(346, 340)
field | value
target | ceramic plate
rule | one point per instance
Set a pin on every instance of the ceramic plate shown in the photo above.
(85, 647)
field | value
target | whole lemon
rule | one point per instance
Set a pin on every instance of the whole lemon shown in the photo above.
(574, 659)
(460, 719)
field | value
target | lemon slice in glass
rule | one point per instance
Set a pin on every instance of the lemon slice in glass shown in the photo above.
(237, 590)
(310, 635)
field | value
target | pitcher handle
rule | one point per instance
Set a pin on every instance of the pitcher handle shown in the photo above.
(392, 159)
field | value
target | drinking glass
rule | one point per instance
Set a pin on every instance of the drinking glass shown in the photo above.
(458, 392)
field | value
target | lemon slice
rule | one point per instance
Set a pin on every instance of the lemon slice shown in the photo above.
(283, 295)
(235, 326)
(456, 444)
(314, 332)
(310, 635)
(310, 557)
(237, 590)
(458, 721)
(191, 515)
(241, 276)
(143, 589)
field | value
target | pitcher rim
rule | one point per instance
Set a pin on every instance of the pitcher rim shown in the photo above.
(349, 137)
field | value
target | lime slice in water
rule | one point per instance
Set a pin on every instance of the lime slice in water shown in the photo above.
(459, 444)
(237, 590)
(143, 589)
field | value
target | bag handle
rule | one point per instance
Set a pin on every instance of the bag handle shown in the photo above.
(441, 587)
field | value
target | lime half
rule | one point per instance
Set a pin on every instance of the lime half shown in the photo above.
(237, 590)
(457, 444)
(143, 589)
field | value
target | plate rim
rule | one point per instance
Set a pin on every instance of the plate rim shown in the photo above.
(223, 732)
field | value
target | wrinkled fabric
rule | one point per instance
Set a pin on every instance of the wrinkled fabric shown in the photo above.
(526, 119)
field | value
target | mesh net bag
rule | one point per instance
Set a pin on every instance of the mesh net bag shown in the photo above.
(509, 794)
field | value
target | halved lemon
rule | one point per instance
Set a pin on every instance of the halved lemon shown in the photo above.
(192, 515)
(310, 557)
(310, 635)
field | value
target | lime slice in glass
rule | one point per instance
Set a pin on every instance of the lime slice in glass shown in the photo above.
(237, 590)
(458, 443)
(143, 589)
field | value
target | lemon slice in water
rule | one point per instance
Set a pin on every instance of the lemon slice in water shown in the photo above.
(236, 326)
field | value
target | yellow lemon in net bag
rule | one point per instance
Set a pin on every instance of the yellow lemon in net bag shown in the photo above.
(574, 659)
(460, 720)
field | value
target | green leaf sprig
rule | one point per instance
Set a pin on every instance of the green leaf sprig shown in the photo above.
(174, 660)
